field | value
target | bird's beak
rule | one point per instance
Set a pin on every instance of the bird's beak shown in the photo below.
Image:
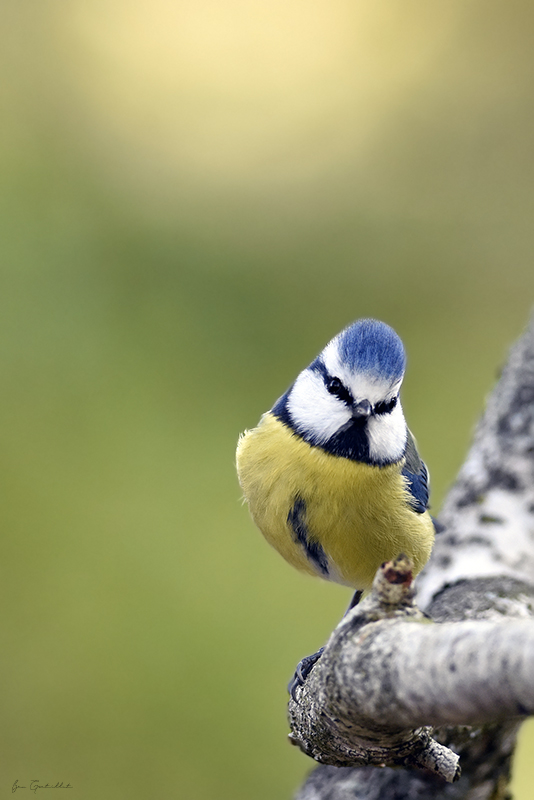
(361, 410)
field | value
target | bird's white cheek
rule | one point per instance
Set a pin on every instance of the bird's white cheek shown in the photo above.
(313, 410)
(387, 436)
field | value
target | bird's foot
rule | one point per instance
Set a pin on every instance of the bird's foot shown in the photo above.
(356, 597)
(302, 671)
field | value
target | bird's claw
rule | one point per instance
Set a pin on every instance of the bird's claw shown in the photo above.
(302, 671)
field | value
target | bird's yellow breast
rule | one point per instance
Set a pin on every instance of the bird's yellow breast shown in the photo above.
(307, 502)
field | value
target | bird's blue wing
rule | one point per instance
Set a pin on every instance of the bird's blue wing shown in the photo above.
(416, 475)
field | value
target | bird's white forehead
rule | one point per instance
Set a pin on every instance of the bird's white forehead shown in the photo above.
(362, 385)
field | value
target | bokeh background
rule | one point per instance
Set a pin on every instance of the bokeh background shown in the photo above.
(195, 196)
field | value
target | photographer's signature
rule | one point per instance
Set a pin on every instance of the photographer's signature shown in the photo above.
(37, 784)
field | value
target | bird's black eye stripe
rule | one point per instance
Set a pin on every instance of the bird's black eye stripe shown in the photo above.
(385, 408)
(336, 387)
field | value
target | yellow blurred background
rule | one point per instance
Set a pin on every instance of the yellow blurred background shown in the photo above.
(195, 196)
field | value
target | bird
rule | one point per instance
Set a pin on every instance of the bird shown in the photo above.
(331, 473)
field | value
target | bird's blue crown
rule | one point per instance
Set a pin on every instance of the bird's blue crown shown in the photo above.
(372, 347)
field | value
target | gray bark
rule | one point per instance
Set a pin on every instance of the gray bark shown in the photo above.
(395, 688)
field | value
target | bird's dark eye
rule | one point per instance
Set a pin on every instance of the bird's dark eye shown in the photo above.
(385, 407)
(335, 386)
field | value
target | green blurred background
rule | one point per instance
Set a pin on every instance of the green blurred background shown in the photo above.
(195, 196)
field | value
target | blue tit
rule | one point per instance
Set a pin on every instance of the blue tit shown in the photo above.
(331, 474)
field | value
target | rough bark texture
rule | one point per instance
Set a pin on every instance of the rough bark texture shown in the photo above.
(471, 675)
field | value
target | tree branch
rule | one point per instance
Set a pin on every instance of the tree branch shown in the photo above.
(489, 512)
(387, 674)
